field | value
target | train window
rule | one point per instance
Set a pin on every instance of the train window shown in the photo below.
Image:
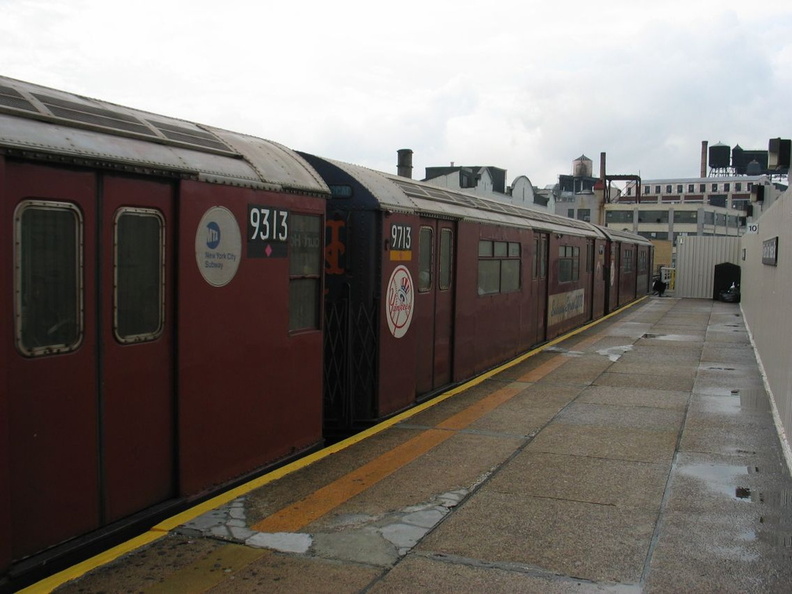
(425, 253)
(499, 267)
(568, 263)
(446, 248)
(48, 291)
(510, 276)
(139, 269)
(305, 272)
(642, 256)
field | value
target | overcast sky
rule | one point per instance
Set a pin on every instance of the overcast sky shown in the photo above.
(525, 86)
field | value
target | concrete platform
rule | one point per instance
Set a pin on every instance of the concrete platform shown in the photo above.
(639, 455)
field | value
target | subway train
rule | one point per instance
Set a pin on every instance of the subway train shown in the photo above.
(186, 307)
(427, 287)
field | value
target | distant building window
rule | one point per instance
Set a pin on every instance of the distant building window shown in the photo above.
(648, 190)
(657, 189)
(619, 216)
(739, 204)
(702, 187)
(738, 187)
(668, 189)
(726, 187)
(653, 234)
(691, 188)
(679, 188)
(629, 190)
(714, 187)
(685, 216)
(653, 216)
(571, 213)
(750, 186)
(719, 200)
(584, 214)
(709, 218)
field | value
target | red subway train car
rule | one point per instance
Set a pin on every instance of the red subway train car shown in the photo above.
(427, 287)
(162, 316)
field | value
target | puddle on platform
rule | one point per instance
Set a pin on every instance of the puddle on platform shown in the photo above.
(615, 353)
(563, 351)
(724, 479)
(738, 401)
(673, 337)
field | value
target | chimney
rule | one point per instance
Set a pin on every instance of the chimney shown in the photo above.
(404, 167)
(602, 167)
(703, 158)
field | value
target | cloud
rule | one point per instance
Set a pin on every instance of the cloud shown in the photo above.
(506, 86)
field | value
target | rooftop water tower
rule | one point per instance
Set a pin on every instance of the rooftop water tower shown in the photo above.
(582, 167)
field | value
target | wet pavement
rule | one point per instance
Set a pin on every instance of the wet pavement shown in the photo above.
(639, 455)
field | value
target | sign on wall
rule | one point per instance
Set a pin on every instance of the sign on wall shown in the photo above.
(566, 305)
(770, 251)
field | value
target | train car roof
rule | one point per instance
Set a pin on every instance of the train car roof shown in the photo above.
(400, 194)
(616, 235)
(55, 125)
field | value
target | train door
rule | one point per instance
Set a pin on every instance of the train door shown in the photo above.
(539, 279)
(73, 394)
(52, 405)
(591, 283)
(435, 304)
(136, 327)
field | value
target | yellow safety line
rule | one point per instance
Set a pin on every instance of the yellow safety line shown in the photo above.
(160, 530)
(317, 504)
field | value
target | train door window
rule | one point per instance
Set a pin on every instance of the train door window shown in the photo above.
(536, 258)
(48, 291)
(305, 272)
(589, 256)
(446, 249)
(627, 261)
(642, 258)
(425, 254)
(139, 270)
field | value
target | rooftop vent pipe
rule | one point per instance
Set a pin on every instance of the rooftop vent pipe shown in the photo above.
(404, 163)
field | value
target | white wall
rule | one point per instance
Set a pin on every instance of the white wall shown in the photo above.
(766, 302)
